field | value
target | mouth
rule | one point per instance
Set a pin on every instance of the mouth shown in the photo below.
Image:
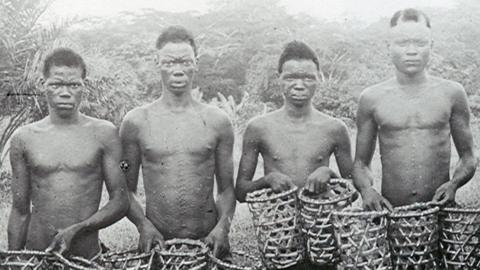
(412, 62)
(178, 84)
(65, 106)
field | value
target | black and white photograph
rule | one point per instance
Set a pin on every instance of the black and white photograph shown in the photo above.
(239, 134)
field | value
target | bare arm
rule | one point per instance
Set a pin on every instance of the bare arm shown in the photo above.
(462, 138)
(217, 239)
(366, 138)
(343, 152)
(367, 131)
(20, 212)
(248, 164)
(149, 234)
(224, 175)
(132, 157)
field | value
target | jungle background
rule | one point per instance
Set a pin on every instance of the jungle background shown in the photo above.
(239, 44)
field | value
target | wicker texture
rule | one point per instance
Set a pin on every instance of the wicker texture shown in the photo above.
(25, 260)
(279, 236)
(127, 260)
(182, 254)
(460, 238)
(361, 238)
(315, 214)
(39, 260)
(413, 235)
(239, 261)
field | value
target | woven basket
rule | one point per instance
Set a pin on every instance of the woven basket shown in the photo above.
(413, 235)
(279, 236)
(460, 238)
(127, 260)
(361, 239)
(182, 254)
(25, 259)
(315, 214)
(39, 260)
(240, 261)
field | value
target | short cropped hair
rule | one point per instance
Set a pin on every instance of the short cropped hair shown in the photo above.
(297, 50)
(63, 57)
(176, 34)
(409, 15)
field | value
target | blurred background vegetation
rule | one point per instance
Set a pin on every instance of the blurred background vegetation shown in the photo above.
(239, 44)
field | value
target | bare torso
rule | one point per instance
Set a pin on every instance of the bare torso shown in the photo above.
(178, 165)
(414, 139)
(66, 182)
(296, 149)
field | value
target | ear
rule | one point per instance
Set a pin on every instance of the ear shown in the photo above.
(41, 85)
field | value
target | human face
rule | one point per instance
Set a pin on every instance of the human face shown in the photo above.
(64, 88)
(299, 81)
(410, 46)
(177, 67)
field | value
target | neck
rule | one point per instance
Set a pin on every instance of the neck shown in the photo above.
(298, 113)
(57, 120)
(414, 79)
(177, 102)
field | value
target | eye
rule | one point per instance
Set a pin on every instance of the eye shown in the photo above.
(166, 63)
(75, 85)
(187, 62)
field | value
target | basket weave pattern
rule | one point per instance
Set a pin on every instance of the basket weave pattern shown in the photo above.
(127, 260)
(459, 238)
(279, 236)
(315, 215)
(362, 239)
(413, 235)
(183, 254)
(28, 260)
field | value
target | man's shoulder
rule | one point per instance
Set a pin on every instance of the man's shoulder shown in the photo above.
(374, 91)
(331, 123)
(136, 115)
(446, 85)
(263, 121)
(103, 129)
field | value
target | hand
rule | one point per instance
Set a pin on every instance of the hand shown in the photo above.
(445, 193)
(317, 181)
(374, 201)
(279, 182)
(217, 240)
(62, 241)
(149, 237)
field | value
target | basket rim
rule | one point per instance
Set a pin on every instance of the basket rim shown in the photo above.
(404, 211)
(251, 195)
(203, 251)
(136, 255)
(26, 252)
(359, 212)
(343, 197)
(469, 210)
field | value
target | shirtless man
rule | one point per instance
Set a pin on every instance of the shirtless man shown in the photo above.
(59, 165)
(414, 114)
(182, 146)
(296, 141)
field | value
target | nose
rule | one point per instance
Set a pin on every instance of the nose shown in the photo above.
(412, 50)
(65, 94)
(178, 73)
(298, 85)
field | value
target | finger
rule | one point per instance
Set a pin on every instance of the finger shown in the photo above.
(309, 186)
(148, 246)
(437, 196)
(63, 248)
(161, 243)
(378, 206)
(216, 250)
(387, 204)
